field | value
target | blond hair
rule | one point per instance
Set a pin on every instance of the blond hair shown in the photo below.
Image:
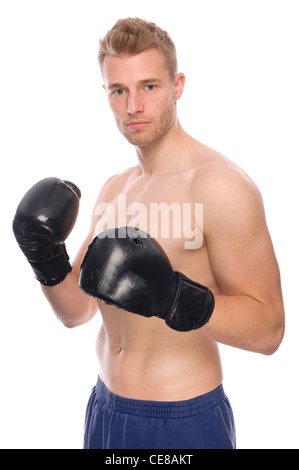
(133, 35)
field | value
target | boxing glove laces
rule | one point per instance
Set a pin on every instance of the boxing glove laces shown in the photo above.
(43, 221)
(127, 268)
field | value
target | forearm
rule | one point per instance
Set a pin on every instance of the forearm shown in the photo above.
(246, 323)
(72, 306)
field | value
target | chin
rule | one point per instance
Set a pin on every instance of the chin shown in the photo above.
(140, 141)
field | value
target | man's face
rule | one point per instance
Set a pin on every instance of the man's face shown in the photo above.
(142, 95)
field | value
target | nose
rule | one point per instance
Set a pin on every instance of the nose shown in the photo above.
(135, 104)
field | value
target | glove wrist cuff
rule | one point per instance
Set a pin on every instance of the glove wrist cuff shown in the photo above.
(53, 271)
(192, 307)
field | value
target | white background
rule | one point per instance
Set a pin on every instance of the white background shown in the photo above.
(240, 58)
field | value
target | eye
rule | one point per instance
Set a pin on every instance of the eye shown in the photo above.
(150, 87)
(118, 92)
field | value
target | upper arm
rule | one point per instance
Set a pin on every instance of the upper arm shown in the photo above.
(239, 244)
(107, 192)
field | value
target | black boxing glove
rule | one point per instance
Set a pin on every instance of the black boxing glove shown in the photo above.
(128, 269)
(43, 221)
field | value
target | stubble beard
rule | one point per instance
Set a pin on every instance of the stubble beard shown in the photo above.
(139, 138)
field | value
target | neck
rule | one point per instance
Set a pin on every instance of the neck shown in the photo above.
(165, 155)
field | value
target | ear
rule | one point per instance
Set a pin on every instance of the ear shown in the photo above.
(179, 83)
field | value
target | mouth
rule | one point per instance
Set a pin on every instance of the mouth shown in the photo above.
(140, 124)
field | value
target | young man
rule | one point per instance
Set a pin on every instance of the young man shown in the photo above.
(199, 267)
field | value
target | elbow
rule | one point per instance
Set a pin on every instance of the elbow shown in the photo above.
(74, 323)
(273, 339)
(270, 349)
(69, 321)
(72, 320)
(69, 325)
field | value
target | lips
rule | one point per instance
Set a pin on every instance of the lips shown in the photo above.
(140, 124)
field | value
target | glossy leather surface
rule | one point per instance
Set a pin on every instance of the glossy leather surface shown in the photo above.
(129, 271)
(127, 268)
(43, 221)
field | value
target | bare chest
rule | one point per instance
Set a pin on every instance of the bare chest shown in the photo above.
(164, 210)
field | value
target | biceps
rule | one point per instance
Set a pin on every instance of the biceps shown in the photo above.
(245, 263)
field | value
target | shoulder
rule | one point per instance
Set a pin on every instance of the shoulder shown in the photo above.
(109, 191)
(216, 176)
(115, 183)
(228, 194)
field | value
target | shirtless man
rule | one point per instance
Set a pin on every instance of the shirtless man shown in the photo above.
(145, 363)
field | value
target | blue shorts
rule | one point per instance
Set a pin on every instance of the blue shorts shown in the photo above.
(114, 422)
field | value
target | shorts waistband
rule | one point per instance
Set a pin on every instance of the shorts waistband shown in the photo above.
(159, 409)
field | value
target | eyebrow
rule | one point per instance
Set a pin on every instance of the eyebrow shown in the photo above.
(140, 82)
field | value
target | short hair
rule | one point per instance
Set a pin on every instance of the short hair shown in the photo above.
(131, 36)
